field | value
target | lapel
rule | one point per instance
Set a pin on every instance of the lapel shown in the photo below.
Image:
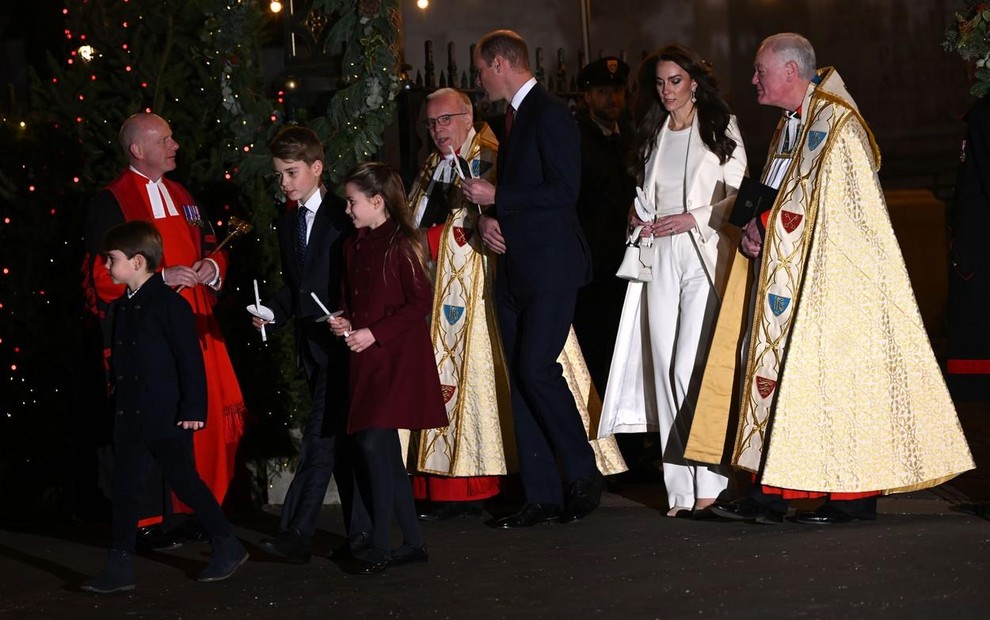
(520, 124)
(696, 156)
(317, 244)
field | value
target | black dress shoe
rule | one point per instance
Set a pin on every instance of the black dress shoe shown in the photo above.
(356, 544)
(830, 515)
(407, 554)
(444, 511)
(367, 567)
(583, 497)
(531, 514)
(154, 538)
(747, 509)
(287, 545)
(376, 563)
(192, 531)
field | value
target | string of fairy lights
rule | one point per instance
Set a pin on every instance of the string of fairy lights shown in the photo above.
(112, 51)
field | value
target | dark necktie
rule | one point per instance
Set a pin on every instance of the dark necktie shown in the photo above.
(301, 235)
(510, 115)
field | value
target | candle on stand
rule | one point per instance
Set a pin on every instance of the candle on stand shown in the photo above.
(257, 306)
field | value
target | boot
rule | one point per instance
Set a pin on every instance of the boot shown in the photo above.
(228, 554)
(117, 575)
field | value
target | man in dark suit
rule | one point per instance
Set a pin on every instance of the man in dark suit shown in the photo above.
(607, 191)
(543, 260)
(311, 243)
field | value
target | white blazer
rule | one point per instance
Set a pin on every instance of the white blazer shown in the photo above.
(711, 192)
(711, 189)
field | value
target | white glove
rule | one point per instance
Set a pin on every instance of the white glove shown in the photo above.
(644, 209)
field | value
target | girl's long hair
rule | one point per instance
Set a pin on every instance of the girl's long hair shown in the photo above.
(650, 114)
(375, 178)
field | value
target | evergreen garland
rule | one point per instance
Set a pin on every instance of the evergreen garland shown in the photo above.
(195, 63)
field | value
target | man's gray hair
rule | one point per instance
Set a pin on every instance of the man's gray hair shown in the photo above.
(451, 92)
(792, 46)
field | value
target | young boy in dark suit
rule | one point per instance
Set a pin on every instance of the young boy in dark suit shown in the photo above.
(311, 234)
(159, 385)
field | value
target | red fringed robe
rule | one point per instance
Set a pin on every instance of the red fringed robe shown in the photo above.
(215, 445)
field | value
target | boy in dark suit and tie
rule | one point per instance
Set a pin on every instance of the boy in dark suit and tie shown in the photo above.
(159, 400)
(543, 259)
(311, 239)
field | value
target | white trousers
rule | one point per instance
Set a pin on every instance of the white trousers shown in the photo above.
(679, 308)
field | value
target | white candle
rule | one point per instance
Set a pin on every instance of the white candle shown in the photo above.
(257, 307)
(319, 303)
(457, 164)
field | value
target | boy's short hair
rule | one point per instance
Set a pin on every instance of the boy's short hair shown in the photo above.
(133, 238)
(297, 143)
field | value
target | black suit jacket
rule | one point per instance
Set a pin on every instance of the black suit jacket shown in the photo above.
(539, 180)
(156, 364)
(320, 273)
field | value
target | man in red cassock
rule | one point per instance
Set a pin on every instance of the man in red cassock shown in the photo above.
(142, 192)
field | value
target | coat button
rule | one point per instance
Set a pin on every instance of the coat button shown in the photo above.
(120, 412)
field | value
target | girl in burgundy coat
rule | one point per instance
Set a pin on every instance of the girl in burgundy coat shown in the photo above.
(386, 299)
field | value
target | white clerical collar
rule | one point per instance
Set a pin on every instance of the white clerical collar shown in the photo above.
(157, 192)
(517, 99)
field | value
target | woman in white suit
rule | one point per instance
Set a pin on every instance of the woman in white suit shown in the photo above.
(693, 161)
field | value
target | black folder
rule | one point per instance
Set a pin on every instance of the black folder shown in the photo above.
(752, 200)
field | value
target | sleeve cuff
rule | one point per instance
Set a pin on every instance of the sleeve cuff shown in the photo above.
(217, 280)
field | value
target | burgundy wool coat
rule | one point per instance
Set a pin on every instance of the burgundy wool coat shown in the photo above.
(393, 383)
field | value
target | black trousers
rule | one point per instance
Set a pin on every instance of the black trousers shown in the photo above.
(325, 450)
(548, 425)
(133, 461)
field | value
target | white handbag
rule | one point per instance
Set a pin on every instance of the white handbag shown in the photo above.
(637, 263)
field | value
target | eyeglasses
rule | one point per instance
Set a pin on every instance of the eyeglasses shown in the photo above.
(443, 120)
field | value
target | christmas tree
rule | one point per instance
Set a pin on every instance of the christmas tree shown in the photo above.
(193, 62)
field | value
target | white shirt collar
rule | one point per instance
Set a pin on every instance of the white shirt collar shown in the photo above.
(313, 203)
(517, 99)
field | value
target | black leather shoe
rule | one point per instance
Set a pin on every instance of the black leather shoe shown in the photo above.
(408, 555)
(531, 514)
(154, 538)
(376, 563)
(287, 545)
(582, 498)
(365, 567)
(830, 515)
(192, 531)
(747, 509)
(444, 511)
(355, 545)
